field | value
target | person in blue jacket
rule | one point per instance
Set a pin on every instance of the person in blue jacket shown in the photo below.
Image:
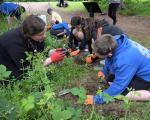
(60, 29)
(129, 62)
(11, 10)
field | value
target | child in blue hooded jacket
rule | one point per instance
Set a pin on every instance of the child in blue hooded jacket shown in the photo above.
(128, 62)
(11, 10)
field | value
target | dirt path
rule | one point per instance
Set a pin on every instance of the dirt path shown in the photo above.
(132, 25)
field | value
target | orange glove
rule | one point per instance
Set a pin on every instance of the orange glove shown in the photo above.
(89, 60)
(89, 100)
(48, 27)
(101, 75)
(74, 53)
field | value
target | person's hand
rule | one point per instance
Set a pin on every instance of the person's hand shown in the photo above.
(89, 60)
(54, 57)
(48, 27)
(101, 75)
(74, 53)
(89, 100)
(59, 49)
(57, 56)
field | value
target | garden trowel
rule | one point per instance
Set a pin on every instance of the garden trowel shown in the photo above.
(64, 92)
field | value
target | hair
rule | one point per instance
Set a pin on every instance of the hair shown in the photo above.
(104, 44)
(32, 25)
(22, 9)
(90, 27)
(76, 20)
(49, 10)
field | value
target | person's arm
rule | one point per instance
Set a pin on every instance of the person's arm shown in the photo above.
(123, 76)
(70, 40)
(84, 42)
(66, 27)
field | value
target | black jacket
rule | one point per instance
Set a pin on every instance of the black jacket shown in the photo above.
(13, 46)
(73, 42)
(107, 28)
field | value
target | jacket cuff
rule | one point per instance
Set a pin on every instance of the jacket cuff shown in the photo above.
(98, 99)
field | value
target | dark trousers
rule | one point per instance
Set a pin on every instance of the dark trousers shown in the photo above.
(61, 3)
(136, 83)
(112, 10)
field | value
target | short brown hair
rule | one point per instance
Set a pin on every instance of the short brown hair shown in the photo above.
(104, 44)
(32, 25)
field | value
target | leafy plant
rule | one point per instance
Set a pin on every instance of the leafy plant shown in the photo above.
(3, 72)
(28, 103)
(80, 92)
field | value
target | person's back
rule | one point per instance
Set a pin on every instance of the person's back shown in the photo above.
(129, 59)
(7, 7)
(56, 17)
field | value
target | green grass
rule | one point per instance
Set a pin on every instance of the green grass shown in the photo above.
(136, 7)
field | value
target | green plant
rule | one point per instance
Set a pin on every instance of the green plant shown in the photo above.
(80, 92)
(4, 74)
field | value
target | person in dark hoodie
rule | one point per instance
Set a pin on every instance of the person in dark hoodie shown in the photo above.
(29, 37)
(90, 29)
(129, 62)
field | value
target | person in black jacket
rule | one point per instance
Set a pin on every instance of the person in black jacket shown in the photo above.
(29, 37)
(90, 29)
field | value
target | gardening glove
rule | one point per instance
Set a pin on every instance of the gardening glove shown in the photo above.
(48, 27)
(97, 99)
(90, 59)
(54, 57)
(101, 75)
(74, 53)
(89, 100)
(57, 56)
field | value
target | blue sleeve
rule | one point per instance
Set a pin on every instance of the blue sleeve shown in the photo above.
(98, 99)
(7, 8)
(66, 28)
(123, 76)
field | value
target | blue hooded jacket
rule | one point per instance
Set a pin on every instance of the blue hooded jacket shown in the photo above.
(128, 60)
(8, 7)
(63, 25)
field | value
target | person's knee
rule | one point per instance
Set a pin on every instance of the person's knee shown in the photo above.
(139, 95)
(80, 35)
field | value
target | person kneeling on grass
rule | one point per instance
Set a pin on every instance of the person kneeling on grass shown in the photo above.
(129, 62)
(60, 30)
(29, 37)
(11, 10)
